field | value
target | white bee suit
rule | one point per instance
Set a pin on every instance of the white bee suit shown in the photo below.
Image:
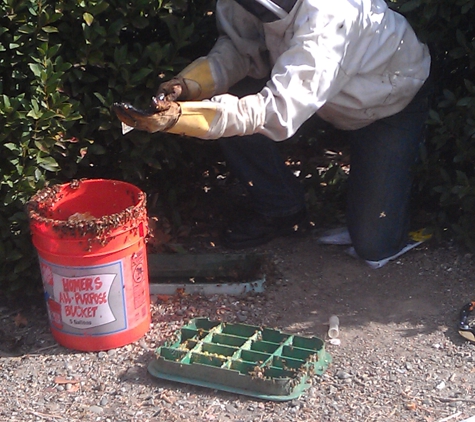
(350, 61)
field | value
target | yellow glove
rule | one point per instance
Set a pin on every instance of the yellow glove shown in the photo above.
(195, 118)
(195, 82)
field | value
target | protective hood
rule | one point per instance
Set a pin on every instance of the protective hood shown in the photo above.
(268, 10)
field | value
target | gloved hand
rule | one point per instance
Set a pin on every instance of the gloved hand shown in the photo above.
(174, 89)
(192, 118)
(161, 116)
(195, 82)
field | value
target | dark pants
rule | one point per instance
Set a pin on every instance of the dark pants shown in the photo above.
(382, 158)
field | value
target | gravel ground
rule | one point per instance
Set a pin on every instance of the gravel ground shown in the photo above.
(400, 357)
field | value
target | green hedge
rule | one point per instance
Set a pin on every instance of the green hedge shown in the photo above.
(446, 179)
(63, 64)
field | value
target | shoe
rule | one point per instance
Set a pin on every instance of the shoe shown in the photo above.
(260, 229)
(338, 236)
(382, 262)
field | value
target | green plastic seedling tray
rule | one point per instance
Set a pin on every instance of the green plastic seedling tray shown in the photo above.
(240, 358)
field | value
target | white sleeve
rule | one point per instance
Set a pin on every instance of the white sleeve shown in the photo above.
(240, 50)
(303, 78)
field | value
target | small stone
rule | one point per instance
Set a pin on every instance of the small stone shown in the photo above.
(230, 408)
(343, 375)
(241, 318)
(96, 409)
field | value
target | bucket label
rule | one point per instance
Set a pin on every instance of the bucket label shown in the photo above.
(88, 299)
(84, 300)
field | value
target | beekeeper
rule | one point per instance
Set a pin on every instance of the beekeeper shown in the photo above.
(353, 64)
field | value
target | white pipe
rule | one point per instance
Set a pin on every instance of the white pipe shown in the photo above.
(333, 327)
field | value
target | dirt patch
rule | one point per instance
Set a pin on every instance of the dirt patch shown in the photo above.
(400, 357)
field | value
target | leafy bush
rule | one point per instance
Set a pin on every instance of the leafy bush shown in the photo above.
(447, 176)
(62, 65)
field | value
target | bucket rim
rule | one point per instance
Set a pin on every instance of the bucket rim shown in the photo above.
(100, 227)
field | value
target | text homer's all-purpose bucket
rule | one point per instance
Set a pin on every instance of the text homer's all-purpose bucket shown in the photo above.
(90, 238)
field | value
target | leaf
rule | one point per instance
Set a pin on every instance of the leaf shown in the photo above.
(36, 68)
(139, 76)
(461, 38)
(97, 149)
(49, 29)
(14, 255)
(466, 101)
(48, 163)
(88, 18)
(26, 29)
(100, 7)
(12, 147)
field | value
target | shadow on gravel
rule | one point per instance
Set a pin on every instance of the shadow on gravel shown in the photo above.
(419, 293)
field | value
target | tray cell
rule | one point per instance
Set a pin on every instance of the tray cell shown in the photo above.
(287, 363)
(311, 343)
(202, 324)
(257, 358)
(239, 330)
(174, 355)
(228, 340)
(264, 346)
(187, 333)
(217, 350)
(206, 359)
(243, 367)
(272, 336)
(187, 345)
(296, 353)
(277, 373)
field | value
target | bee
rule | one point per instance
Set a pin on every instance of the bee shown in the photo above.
(74, 184)
(313, 358)
(258, 372)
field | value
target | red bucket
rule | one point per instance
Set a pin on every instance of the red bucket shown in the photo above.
(90, 239)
